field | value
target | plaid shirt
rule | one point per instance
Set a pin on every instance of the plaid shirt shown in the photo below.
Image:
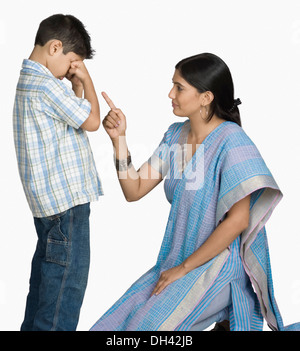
(54, 157)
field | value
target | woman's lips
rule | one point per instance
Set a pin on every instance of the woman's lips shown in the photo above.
(174, 105)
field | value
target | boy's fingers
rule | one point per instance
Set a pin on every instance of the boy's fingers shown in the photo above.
(72, 71)
(76, 63)
(108, 101)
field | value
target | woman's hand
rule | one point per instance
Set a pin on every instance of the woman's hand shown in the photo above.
(115, 121)
(168, 277)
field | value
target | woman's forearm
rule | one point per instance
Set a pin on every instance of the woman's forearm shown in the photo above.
(134, 184)
(129, 178)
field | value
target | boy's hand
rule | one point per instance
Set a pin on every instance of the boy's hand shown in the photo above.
(78, 73)
(76, 82)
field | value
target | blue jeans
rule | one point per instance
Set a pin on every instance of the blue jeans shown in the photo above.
(59, 271)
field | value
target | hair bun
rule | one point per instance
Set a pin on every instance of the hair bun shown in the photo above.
(236, 102)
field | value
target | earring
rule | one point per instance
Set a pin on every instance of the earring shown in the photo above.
(206, 113)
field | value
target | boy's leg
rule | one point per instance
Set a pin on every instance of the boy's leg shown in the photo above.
(33, 295)
(63, 269)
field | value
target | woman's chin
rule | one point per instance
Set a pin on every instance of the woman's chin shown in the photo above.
(177, 113)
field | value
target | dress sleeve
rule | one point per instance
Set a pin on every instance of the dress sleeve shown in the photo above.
(63, 105)
(160, 157)
(160, 160)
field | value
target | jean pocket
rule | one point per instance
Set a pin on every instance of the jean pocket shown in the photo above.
(56, 216)
(57, 246)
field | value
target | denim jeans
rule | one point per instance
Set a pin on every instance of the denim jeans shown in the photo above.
(59, 271)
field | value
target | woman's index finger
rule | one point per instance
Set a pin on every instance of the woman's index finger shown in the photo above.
(108, 101)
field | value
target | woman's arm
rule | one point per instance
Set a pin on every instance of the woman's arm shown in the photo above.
(236, 221)
(134, 184)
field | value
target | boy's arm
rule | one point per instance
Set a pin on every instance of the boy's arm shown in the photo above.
(78, 90)
(92, 123)
(78, 69)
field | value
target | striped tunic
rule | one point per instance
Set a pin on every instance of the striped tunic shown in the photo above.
(225, 168)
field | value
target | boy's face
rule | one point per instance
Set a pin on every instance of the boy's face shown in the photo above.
(58, 63)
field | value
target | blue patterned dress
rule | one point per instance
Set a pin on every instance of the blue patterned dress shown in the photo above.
(225, 168)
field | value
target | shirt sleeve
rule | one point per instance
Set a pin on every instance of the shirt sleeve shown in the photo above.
(63, 105)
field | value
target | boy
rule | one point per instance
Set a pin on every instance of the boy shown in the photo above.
(57, 168)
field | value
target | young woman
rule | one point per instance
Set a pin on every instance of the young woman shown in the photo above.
(213, 265)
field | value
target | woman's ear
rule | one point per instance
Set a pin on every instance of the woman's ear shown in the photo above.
(55, 46)
(207, 97)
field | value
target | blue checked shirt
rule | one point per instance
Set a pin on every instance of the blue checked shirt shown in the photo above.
(55, 160)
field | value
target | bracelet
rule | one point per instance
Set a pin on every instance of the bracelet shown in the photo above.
(123, 165)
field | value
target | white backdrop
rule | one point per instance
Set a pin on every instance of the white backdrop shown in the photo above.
(138, 43)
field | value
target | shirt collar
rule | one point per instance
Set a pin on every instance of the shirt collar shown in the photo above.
(36, 66)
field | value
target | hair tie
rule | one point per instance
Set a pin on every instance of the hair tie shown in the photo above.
(236, 102)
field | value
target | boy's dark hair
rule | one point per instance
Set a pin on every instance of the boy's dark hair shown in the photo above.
(70, 31)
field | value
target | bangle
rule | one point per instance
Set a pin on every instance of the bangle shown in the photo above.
(123, 165)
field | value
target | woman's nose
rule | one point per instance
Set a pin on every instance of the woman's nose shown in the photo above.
(171, 94)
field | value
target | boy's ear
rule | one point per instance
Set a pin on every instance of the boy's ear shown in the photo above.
(55, 46)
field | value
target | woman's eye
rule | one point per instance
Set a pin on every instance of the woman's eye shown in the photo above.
(179, 88)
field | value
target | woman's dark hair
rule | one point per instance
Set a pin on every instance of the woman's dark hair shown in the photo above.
(69, 30)
(207, 72)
